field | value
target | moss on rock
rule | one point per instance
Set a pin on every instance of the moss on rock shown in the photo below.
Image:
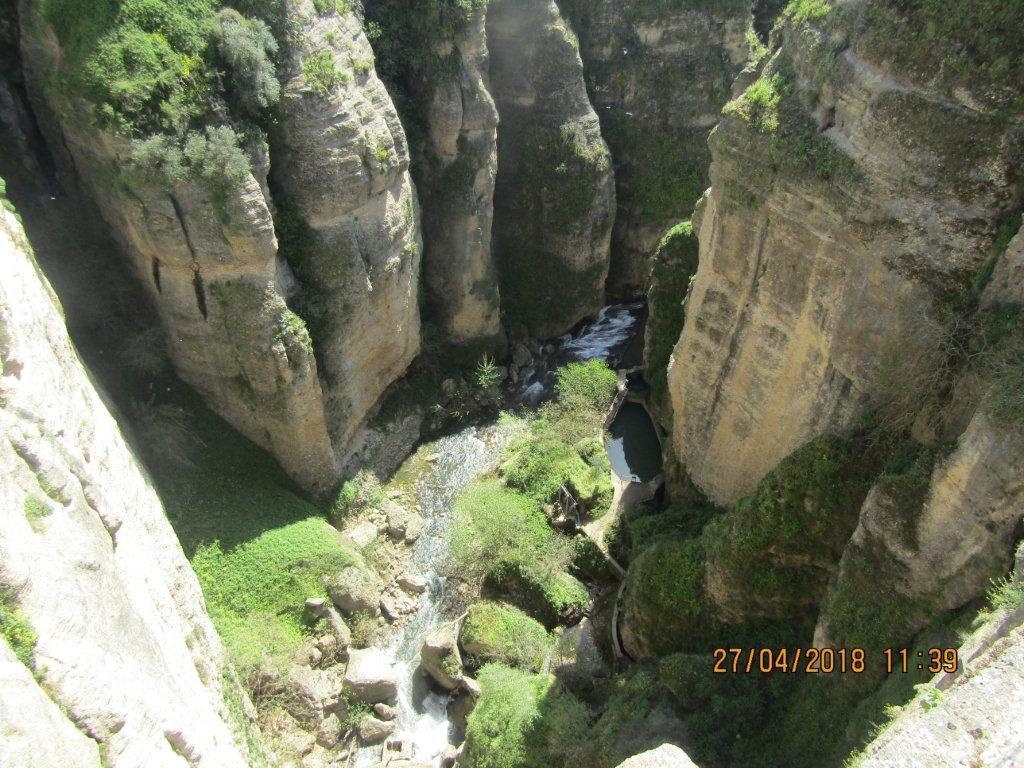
(494, 631)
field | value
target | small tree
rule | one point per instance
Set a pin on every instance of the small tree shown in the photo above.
(487, 378)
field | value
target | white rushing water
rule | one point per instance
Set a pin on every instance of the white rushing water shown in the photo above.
(606, 338)
(612, 329)
(422, 714)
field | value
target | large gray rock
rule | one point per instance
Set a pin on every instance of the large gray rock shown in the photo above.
(373, 731)
(356, 588)
(665, 756)
(370, 676)
(308, 695)
(126, 648)
(440, 658)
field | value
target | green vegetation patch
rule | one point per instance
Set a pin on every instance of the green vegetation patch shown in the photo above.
(504, 537)
(523, 721)
(258, 547)
(15, 629)
(972, 44)
(494, 631)
(562, 447)
(774, 542)
(664, 600)
(36, 510)
(673, 268)
(772, 107)
(807, 10)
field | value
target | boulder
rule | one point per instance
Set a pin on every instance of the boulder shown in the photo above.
(463, 702)
(370, 676)
(356, 589)
(665, 756)
(397, 517)
(329, 732)
(413, 528)
(306, 694)
(384, 712)
(440, 658)
(521, 356)
(362, 533)
(374, 731)
(412, 583)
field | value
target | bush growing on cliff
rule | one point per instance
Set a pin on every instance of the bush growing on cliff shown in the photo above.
(247, 48)
(674, 265)
(15, 629)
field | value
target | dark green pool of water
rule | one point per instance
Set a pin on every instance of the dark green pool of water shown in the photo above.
(632, 445)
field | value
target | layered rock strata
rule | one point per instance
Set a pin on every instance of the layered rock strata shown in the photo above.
(848, 201)
(555, 191)
(205, 245)
(341, 163)
(460, 161)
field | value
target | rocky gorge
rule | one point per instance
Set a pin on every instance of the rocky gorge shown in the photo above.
(315, 405)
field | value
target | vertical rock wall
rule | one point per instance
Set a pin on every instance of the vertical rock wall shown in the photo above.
(126, 657)
(658, 78)
(848, 201)
(555, 191)
(342, 165)
(460, 162)
(205, 243)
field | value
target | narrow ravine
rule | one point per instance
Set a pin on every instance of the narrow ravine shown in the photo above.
(459, 459)
(422, 720)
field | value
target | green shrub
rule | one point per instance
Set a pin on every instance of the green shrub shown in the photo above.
(585, 392)
(504, 537)
(539, 462)
(320, 72)
(16, 630)
(497, 632)
(498, 727)
(674, 266)
(807, 10)
(212, 157)
(664, 602)
(140, 62)
(523, 721)
(247, 48)
(36, 510)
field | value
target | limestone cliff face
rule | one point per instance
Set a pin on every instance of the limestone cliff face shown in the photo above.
(847, 200)
(972, 717)
(919, 551)
(342, 164)
(658, 78)
(203, 240)
(127, 657)
(208, 255)
(555, 192)
(460, 162)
